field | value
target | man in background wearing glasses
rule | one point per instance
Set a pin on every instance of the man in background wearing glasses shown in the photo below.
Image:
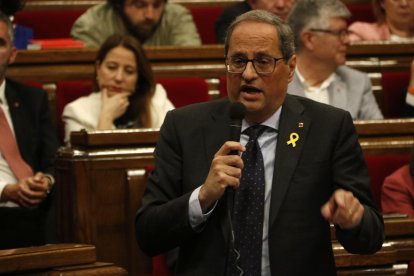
(321, 40)
(310, 172)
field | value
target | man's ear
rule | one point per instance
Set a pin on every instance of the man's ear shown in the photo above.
(13, 55)
(291, 66)
(307, 40)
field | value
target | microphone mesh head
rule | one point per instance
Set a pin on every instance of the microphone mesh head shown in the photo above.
(237, 111)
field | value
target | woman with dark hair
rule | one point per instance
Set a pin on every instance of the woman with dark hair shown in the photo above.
(127, 95)
(395, 22)
(398, 190)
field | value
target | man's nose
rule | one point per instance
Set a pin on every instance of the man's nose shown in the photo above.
(149, 12)
(249, 72)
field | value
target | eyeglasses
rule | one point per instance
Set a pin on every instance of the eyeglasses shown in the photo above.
(263, 65)
(341, 34)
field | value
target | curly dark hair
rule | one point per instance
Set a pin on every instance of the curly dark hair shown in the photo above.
(10, 7)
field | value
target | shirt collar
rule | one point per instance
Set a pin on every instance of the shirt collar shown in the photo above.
(3, 99)
(325, 84)
(272, 122)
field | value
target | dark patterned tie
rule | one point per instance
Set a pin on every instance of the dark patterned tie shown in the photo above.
(248, 210)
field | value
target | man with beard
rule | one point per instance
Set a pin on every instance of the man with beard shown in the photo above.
(152, 22)
(28, 146)
(321, 40)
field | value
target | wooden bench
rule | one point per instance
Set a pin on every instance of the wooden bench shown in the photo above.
(55, 259)
(101, 180)
(51, 66)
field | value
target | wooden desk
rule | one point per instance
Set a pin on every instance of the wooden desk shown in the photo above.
(390, 136)
(55, 259)
(101, 180)
(205, 61)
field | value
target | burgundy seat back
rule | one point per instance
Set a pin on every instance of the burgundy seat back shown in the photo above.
(394, 89)
(66, 92)
(205, 18)
(185, 90)
(223, 86)
(380, 166)
(361, 12)
(48, 23)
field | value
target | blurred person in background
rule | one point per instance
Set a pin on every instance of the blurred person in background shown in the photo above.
(22, 34)
(126, 95)
(321, 40)
(398, 190)
(152, 22)
(395, 22)
(28, 145)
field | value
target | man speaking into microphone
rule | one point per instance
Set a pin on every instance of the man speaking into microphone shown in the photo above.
(299, 168)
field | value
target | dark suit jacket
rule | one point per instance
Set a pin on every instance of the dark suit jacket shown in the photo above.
(36, 138)
(327, 156)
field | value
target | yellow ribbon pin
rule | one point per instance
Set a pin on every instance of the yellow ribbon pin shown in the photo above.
(294, 137)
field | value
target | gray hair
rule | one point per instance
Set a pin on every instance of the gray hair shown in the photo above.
(6, 20)
(314, 14)
(286, 39)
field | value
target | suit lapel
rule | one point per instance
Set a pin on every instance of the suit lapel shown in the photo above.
(295, 87)
(216, 132)
(337, 93)
(293, 126)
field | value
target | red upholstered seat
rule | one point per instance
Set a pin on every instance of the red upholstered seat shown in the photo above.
(183, 91)
(223, 86)
(48, 23)
(66, 92)
(394, 88)
(380, 166)
(205, 18)
(361, 12)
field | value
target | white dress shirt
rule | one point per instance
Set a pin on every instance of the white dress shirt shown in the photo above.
(6, 175)
(317, 93)
(267, 142)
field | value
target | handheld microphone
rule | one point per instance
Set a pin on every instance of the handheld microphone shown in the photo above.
(236, 114)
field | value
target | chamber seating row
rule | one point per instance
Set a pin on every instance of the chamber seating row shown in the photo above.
(103, 176)
(205, 14)
(188, 68)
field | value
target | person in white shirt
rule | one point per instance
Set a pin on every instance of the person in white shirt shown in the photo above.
(126, 93)
(321, 40)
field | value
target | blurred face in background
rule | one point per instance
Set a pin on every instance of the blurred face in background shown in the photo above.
(7, 50)
(329, 44)
(279, 7)
(144, 16)
(399, 13)
(118, 72)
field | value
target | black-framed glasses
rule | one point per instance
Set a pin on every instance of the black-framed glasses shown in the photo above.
(341, 34)
(263, 65)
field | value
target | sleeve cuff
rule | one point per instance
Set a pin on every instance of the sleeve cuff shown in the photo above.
(196, 216)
